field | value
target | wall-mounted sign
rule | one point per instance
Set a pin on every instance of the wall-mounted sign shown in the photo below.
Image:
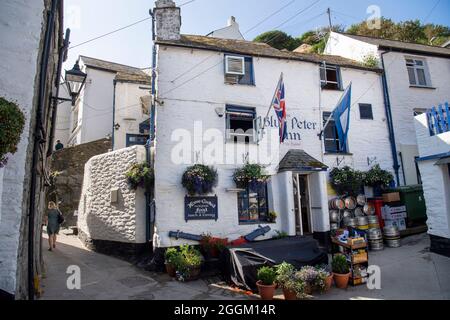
(200, 208)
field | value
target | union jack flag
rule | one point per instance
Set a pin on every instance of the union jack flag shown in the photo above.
(279, 105)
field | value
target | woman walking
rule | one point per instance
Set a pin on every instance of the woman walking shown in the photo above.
(52, 220)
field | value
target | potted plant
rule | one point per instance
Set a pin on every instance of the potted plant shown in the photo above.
(293, 287)
(12, 121)
(341, 271)
(140, 175)
(249, 175)
(266, 282)
(272, 216)
(190, 263)
(346, 180)
(378, 178)
(324, 279)
(199, 179)
(211, 246)
(172, 259)
(308, 275)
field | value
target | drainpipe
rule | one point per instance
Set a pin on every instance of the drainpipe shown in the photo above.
(114, 115)
(387, 106)
(38, 140)
(149, 201)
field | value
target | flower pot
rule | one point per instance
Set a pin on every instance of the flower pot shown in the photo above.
(328, 283)
(193, 273)
(170, 269)
(266, 292)
(289, 294)
(341, 280)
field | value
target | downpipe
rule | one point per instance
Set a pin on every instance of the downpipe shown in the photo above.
(387, 106)
(39, 138)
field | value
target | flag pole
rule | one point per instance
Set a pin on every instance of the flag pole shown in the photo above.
(271, 102)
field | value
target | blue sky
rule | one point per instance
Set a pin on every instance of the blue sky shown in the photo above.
(88, 19)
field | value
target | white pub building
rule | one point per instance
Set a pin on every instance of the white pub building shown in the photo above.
(207, 88)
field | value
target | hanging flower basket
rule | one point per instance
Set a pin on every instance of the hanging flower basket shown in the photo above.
(250, 175)
(12, 121)
(140, 175)
(199, 179)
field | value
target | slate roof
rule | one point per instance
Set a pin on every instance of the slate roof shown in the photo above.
(259, 49)
(135, 78)
(110, 66)
(299, 160)
(396, 45)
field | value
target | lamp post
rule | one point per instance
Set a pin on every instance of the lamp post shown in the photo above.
(75, 80)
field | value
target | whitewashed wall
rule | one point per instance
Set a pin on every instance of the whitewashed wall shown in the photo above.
(129, 113)
(19, 61)
(435, 178)
(404, 98)
(197, 100)
(341, 45)
(98, 218)
(95, 111)
(63, 118)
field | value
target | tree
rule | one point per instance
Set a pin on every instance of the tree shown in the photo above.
(278, 39)
(409, 31)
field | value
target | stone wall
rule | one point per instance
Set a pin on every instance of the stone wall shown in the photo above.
(69, 164)
(100, 218)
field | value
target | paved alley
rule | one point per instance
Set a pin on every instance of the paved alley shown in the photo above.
(408, 272)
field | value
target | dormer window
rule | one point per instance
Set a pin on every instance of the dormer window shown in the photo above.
(330, 77)
(239, 70)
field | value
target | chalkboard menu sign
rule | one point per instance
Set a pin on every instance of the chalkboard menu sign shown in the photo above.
(200, 208)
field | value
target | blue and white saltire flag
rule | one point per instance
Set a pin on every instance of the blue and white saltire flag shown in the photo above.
(341, 116)
(279, 105)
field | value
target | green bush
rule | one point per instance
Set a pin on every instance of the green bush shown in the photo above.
(378, 177)
(171, 255)
(140, 175)
(12, 121)
(267, 275)
(191, 256)
(346, 180)
(249, 174)
(339, 264)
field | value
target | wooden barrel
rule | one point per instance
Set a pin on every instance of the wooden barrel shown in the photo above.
(350, 203)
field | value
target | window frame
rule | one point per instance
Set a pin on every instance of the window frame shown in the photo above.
(129, 135)
(234, 110)
(324, 82)
(251, 71)
(411, 64)
(335, 138)
(263, 211)
(361, 114)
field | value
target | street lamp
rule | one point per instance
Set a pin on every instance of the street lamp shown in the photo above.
(75, 80)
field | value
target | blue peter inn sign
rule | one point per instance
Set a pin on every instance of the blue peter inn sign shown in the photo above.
(200, 208)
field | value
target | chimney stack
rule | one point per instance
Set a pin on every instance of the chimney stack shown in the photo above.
(167, 20)
(231, 21)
